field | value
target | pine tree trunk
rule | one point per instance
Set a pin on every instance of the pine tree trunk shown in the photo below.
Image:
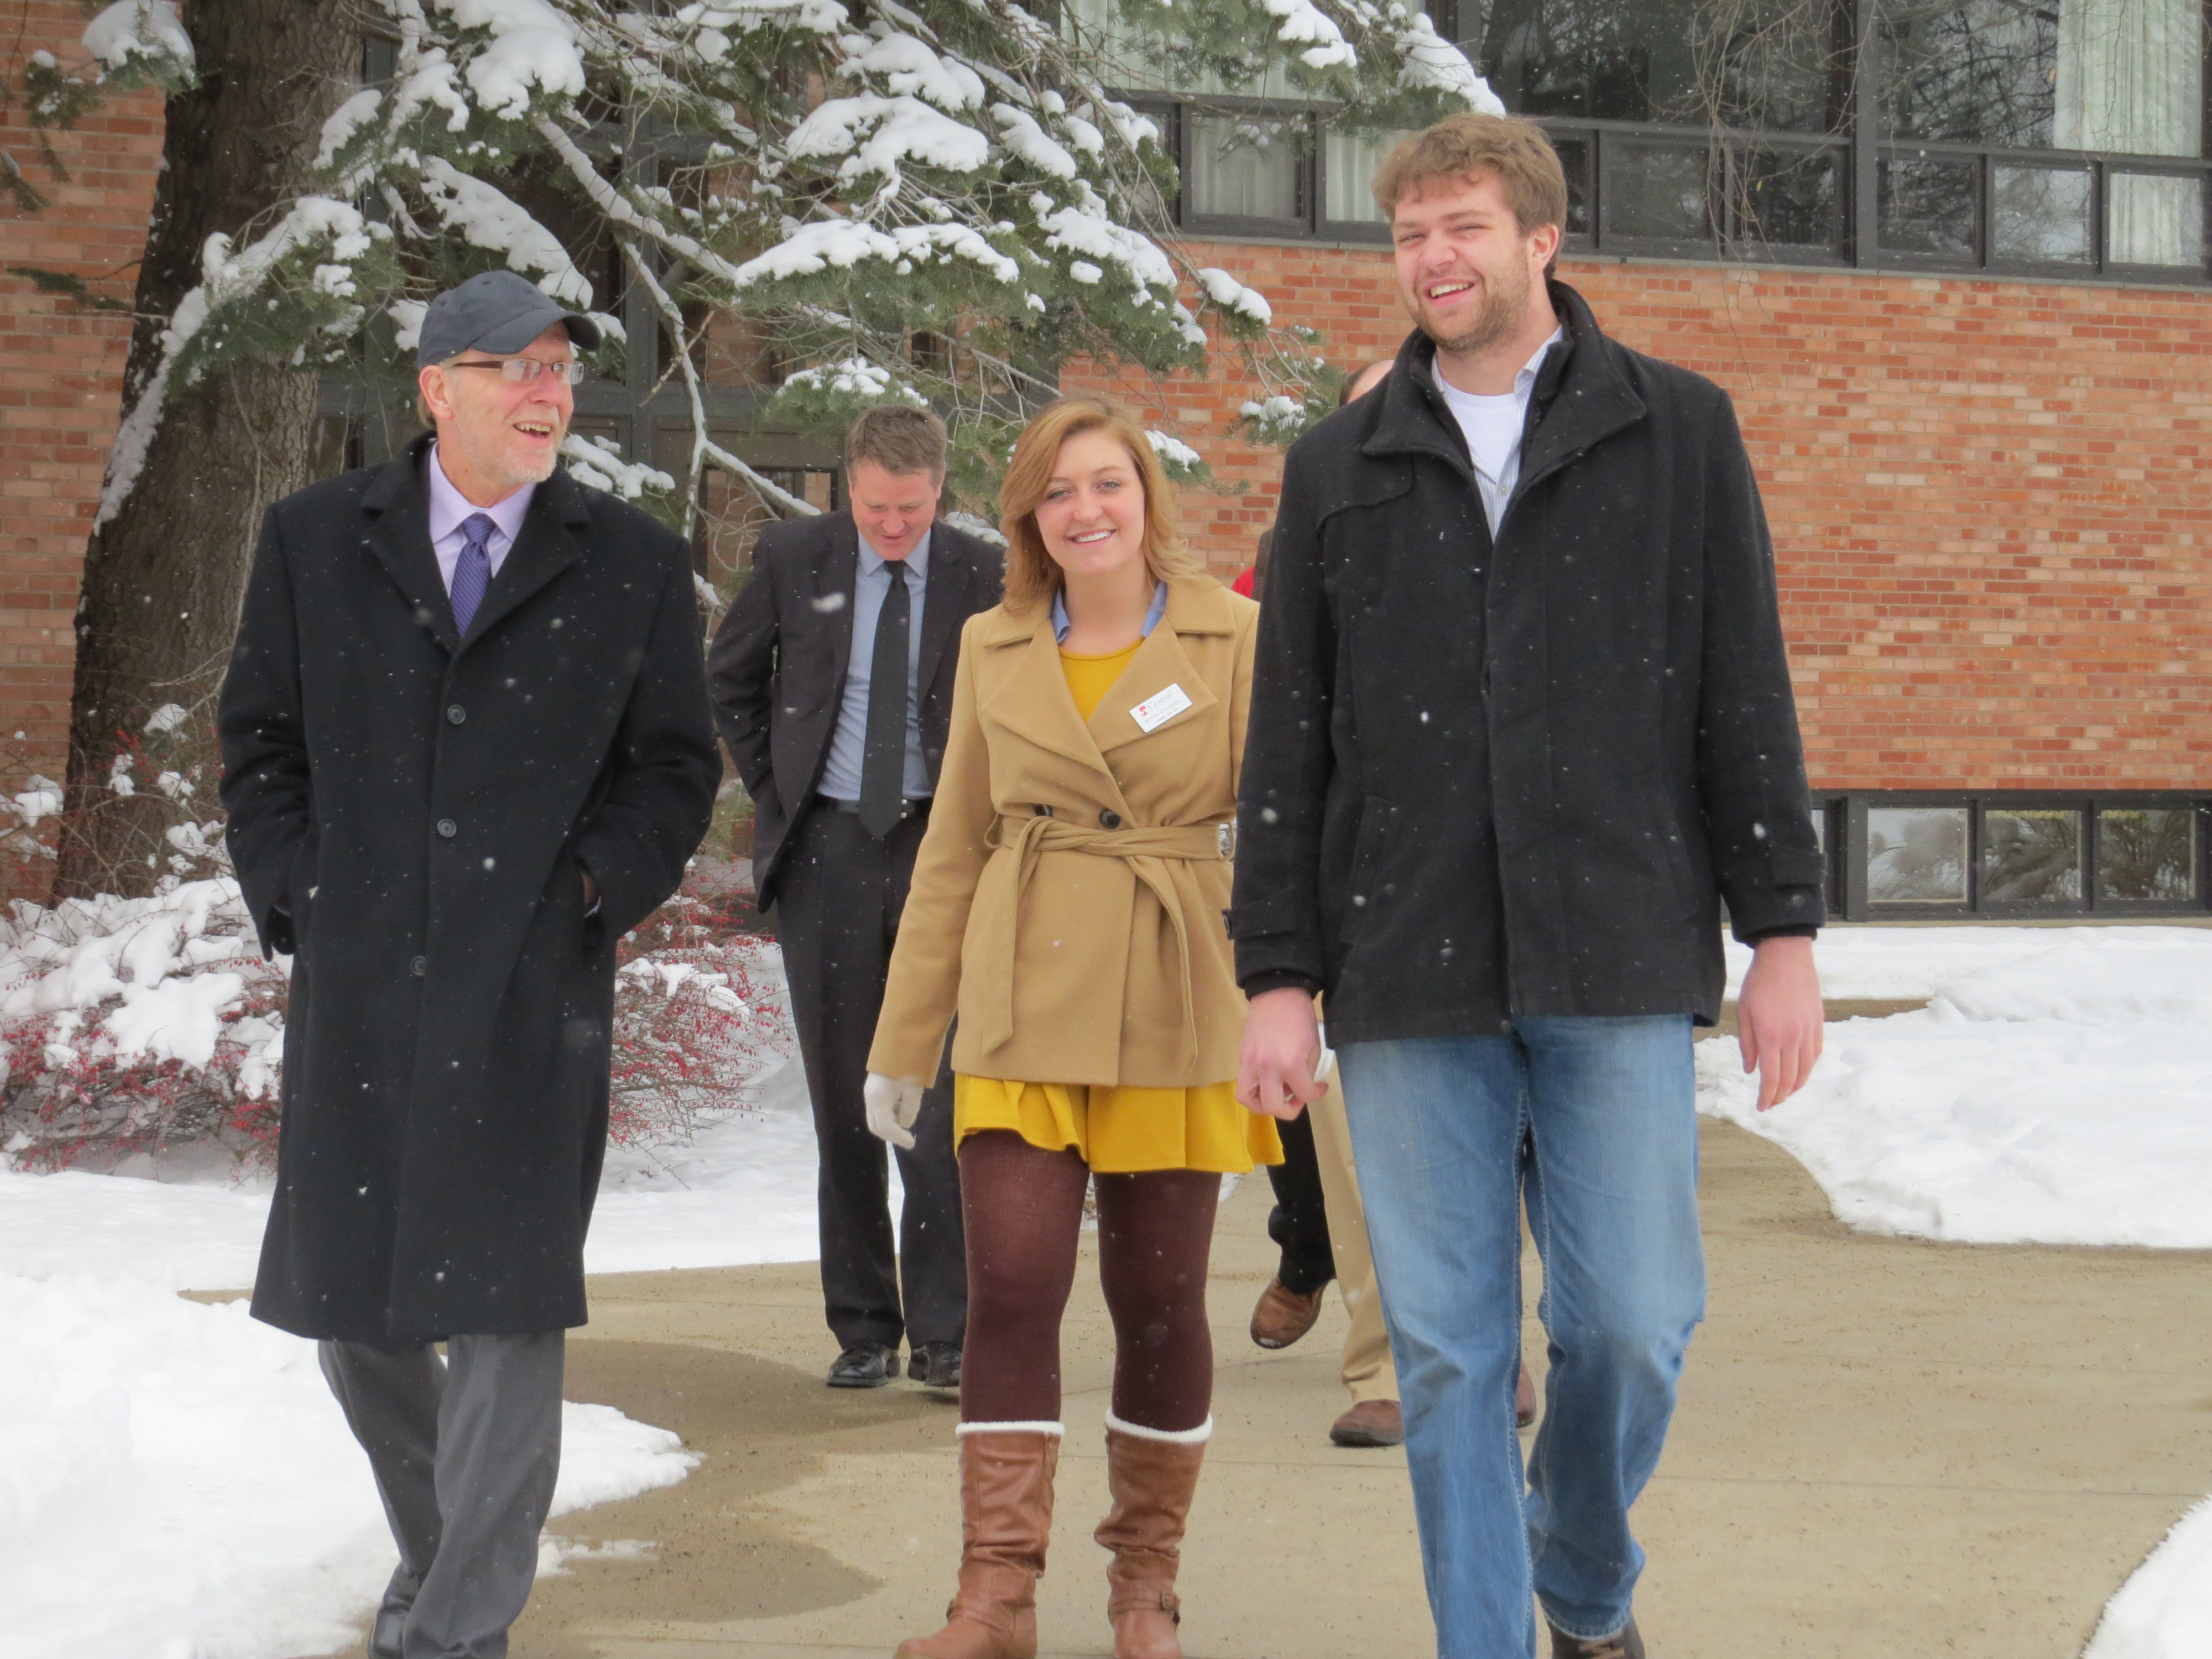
(164, 577)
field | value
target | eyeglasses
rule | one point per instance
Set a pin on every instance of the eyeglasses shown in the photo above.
(523, 370)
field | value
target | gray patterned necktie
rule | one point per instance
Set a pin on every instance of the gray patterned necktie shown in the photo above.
(883, 755)
(472, 571)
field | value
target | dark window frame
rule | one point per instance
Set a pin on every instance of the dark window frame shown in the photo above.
(1858, 150)
(1843, 814)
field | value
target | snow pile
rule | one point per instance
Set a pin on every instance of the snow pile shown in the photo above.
(598, 463)
(2165, 1611)
(1877, 963)
(2059, 1097)
(196, 1458)
(1230, 295)
(533, 50)
(485, 218)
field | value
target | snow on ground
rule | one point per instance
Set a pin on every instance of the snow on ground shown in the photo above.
(2057, 1091)
(195, 1455)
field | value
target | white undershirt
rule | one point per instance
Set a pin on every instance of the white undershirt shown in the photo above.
(1493, 425)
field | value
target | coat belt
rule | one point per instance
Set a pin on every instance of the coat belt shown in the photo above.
(1147, 851)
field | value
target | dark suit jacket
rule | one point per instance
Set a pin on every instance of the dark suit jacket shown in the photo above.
(408, 810)
(777, 668)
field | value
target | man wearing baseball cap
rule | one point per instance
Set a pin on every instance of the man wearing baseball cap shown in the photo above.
(466, 747)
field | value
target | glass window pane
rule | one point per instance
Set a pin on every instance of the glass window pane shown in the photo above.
(1927, 206)
(1750, 64)
(1789, 198)
(1916, 855)
(2031, 855)
(2130, 77)
(1984, 71)
(2154, 221)
(2147, 854)
(1657, 191)
(1349, 162)
(1575, 161)
(1243, 169)
(2039, 216)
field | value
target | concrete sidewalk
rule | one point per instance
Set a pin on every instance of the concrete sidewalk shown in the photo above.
(1883, 1448)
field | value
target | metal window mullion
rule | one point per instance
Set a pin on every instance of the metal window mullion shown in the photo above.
(1862, 222)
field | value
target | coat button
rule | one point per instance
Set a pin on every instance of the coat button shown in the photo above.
(448, 829)
(1109, 819)
(455, 714)
(421, 965)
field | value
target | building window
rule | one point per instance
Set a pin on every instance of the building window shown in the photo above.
(1899, 856)
(1992, 136)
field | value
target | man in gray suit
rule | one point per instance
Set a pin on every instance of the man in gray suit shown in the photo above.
(832, 679)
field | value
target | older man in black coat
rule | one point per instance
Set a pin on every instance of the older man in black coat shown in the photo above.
(466, 747)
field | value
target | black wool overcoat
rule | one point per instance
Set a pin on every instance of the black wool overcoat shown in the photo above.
(1483, 780)
(777, 666)
(409, 813)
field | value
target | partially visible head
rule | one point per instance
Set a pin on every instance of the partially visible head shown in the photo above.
(1477, 204)
(1361, 381)
(1085, 492)
(895, 476)
(500, 430)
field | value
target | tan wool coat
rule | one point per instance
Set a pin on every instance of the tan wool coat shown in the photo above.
(1084, 944)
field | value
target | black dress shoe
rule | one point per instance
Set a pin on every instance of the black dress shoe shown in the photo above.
(1624, 1644)
(865, 1365)
(935, 1364)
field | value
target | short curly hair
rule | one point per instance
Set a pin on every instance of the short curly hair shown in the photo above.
(1459, 147)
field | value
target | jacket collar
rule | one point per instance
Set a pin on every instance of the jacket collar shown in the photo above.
(1033, 700)
(945, 600)
(1581, 397)
(398, 533)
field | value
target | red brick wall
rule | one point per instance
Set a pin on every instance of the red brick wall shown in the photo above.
(61, 370)
(1989, 500)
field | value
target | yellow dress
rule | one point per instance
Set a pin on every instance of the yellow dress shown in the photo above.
(1118, 1130)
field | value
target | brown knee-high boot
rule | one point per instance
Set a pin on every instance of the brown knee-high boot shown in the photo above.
(1151, 1474)
(1006, 1521)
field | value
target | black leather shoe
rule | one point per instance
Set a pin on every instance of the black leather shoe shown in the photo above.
(1623, 1643)
(865, 1365)
(935, 1365)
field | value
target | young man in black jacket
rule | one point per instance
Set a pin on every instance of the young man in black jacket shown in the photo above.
(1522, 720)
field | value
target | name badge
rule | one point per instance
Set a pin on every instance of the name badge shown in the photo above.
(1160, 707)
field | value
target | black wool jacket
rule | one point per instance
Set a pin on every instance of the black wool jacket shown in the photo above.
(776, 671)
(1490, 780)
(411, 811)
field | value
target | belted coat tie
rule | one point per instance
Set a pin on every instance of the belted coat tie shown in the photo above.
(1067, 902)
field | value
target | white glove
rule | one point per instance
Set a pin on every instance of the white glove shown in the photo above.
(1327, 1063)
(893, 1102)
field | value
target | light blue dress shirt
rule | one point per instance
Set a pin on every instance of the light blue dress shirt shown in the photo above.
(841, 776)
(1158, 609)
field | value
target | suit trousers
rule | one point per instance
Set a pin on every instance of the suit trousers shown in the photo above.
(465, 1451)
(838, 912)
(1364, 1364)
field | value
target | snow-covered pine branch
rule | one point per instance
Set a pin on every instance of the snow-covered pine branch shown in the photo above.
(930, 200)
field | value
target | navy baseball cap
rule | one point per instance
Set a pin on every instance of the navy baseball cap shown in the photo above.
(495, 311)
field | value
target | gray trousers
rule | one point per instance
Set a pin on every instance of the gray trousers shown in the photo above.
(465, 1451)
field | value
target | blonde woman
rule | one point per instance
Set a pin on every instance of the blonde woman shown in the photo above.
(1067, 904)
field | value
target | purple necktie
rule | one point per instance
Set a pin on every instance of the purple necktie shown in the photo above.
(472, 572)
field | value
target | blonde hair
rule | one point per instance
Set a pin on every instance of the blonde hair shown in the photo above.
(1459, 147)
(1033, 576)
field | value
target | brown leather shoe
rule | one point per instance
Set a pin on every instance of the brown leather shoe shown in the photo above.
(1524, 1398)
(1370, 1423)
(1623, 1643)
(1151, 1482)
(1283, 1316)
(1005, 1523)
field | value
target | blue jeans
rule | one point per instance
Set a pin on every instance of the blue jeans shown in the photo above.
(1605, 1109)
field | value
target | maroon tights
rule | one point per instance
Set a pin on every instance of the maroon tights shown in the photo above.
(1024, 1211)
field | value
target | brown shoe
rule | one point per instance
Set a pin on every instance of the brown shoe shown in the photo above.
(1623, 1643)
(1006, 1521)
(1524, 1398)
(1370, 1423)
(1283, 1316)
(1151, 1482)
